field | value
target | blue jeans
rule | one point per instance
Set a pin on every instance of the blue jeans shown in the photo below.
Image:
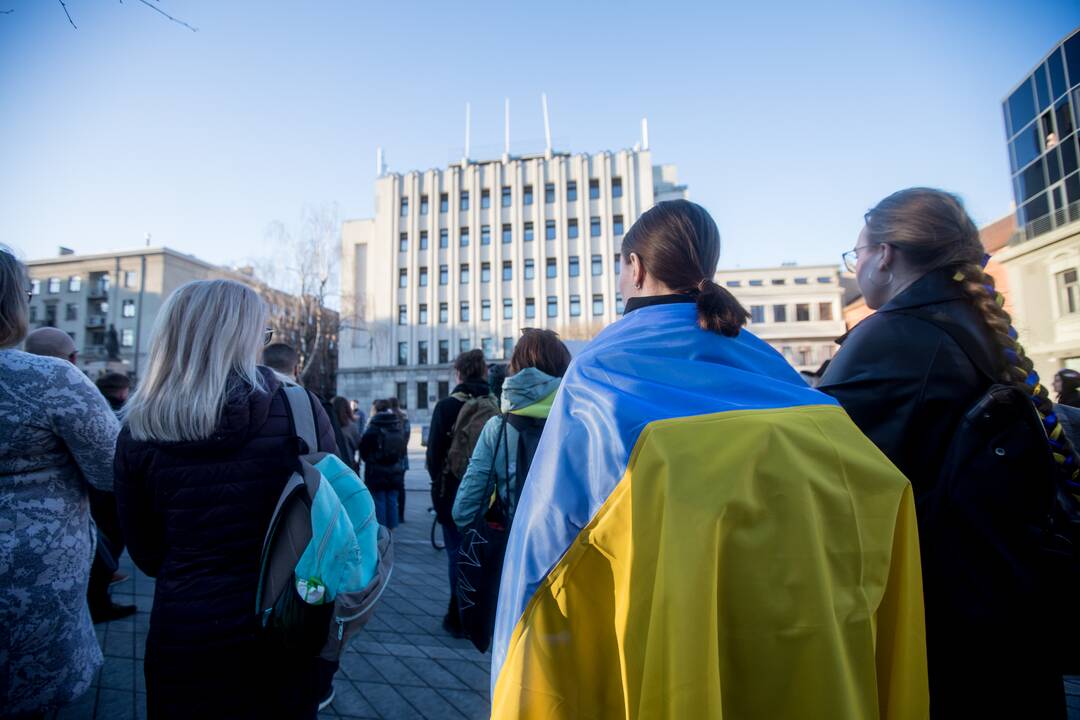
(386, 507)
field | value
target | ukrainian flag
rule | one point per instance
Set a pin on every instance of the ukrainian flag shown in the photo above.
(702, 535)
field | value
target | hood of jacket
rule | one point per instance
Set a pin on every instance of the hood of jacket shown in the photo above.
(384, 419)
(526, 388)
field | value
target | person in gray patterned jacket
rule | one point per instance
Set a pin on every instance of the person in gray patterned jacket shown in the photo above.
(57, 437)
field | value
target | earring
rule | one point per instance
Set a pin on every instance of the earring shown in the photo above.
(637, 286)
(876, 283)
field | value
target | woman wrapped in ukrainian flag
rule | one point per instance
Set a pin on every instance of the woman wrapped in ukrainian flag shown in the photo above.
(701, 535)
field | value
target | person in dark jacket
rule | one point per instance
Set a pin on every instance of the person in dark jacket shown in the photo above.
(1067, 387)
(201, 460)
(907, 383)
(395, 407)
(471, 371)
(382, 448)
(350, 435)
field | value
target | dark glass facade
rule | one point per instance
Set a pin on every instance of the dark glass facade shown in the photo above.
(1041, 117)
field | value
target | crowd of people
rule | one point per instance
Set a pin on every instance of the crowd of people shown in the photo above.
(688, 528)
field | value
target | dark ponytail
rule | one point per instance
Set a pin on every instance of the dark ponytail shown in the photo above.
(677, 242)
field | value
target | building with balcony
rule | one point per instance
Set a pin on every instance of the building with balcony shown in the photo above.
(1042, 258)
(466, 256)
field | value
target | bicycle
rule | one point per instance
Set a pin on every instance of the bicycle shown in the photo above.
(437, 540)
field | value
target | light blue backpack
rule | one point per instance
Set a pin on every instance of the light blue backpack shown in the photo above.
(325, 559)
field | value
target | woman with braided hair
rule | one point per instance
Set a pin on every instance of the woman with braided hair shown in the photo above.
(907, 376)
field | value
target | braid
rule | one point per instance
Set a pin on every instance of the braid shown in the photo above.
(1018, 369)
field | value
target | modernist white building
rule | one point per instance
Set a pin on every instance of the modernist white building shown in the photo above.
(466, 256)
(799, 310)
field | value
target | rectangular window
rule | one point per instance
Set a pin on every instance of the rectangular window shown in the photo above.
(464, 311)
(488, 346)
(402, 315)
(594, 227)
(506, 196)
(618, 264)
(403, 242)
(423, 240)
(75, 283)
(530, 269)
(734, 283)
(127, 338)
(616, 187)
(619, 306)
(403, 353)
(422, 314)
(444, 313)
(485, 272)
(571, 191)
(507, 233)
(803, 355)
(802, 281)
(549, 193)
(549, 229)
(127, 309)
(597, 305)
(421, 396)
(423, 205)
(779, 281)
(825, 279)
(54, 285)
(1069, 291)
(403, 278)
(444, 202)
(527, 195)
(825, 311)
(594, 189)
(571, 228)
(530, 308)
(404, 207)
(573, 269)
(485, 309)
(464, 236)
(575, 306)
(444, 274)
(463, 345)
(71, 312)
(757, 314)
(463, 275)
(508, 270)
(35, 287)
(444, 352)
(508, 309)
(421, 353)
(444, 238)
(756, 283)
(402, 392)
(485, 234)
(597, 265)
(444, 389)
(529, 232)
(33, 313)
(508, 348)
(802, 312)
(552, 306)
(779, 313)
(485, 199)
(423, 276)
(617, 225)
(464, 200)
(552, 269)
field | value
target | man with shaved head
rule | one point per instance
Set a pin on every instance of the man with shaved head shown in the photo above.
(50, 342)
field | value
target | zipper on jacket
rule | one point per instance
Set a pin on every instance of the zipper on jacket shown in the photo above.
(326, 537)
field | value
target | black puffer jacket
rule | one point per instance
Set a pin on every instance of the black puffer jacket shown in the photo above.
(380, 476)
(194, 515)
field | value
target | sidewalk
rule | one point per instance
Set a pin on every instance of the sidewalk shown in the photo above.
(403, 665)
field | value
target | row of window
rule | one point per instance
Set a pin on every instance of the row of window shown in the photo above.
(529, 271)
(423, 357)
(71, 310)
(74, 283)
(507, 196)
(528, 233)
(464, 306)
(780, 312)
(823, 279)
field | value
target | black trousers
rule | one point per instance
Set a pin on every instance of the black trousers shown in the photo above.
(110, 545)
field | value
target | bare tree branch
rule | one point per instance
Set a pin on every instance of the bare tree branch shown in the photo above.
(7, 12)
(68, 15)
(175, 20)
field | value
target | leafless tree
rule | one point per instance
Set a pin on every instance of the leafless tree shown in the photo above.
(152, 5)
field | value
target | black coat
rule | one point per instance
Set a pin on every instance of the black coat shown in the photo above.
(194, 516)
(907, 384)
(440, 435)
(381, 476)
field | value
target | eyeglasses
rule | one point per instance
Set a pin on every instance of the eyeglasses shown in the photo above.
(268, 336)
(852, 256)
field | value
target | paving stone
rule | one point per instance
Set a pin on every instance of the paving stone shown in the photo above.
(395, 672)
(468, 673)
(386, 700)
(349, 702)
(115, 705)
(82, 707)
(468, 703)
(118, 674)
(119, 643)
(357, 667)
(434, 674)
(403, 650)
(440, 652)
(430, 703)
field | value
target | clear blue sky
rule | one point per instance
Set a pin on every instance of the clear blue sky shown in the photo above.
(787, 120)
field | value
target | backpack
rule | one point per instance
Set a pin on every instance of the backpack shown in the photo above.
(471, 419)
(391, 445)
(997, 520)
(529, 430)
(325, 560)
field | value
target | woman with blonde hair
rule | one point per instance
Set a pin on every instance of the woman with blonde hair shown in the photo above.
(205, 451)
(56, 440)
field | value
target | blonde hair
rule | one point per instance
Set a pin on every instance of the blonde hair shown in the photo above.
(206, 338)
(14, 308)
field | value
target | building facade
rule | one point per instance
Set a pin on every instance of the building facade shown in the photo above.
(799, 310)
(466, 256)
(1042, 258)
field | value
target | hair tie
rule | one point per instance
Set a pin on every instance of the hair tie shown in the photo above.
(701, 285)
(985, 259)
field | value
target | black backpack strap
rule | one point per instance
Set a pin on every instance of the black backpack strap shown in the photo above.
(302, 417)
(961, 336)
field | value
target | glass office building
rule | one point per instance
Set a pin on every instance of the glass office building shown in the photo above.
(1040, 121)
